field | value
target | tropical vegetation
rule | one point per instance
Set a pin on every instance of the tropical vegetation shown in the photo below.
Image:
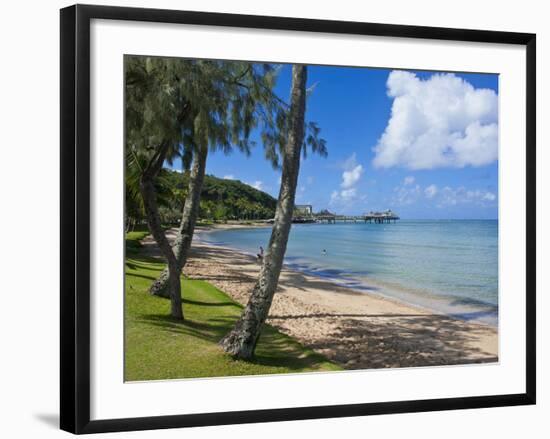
(181, 110)
(220, 200)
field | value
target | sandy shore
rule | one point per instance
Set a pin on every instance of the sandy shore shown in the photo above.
(355, 329)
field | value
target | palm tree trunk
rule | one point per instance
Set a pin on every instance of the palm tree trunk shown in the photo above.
(241, 341)
(186, 229)
(147, 189)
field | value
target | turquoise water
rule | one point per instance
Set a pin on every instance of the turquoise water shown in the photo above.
(449, 266)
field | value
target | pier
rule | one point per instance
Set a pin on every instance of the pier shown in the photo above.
(326, 217)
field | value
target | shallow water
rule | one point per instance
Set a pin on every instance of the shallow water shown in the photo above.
(447, 265)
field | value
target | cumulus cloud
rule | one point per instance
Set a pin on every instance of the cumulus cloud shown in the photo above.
(431, 191)
(438, 122)
(348, 194)
(408, 180)
(481, 195)
(351, 175)
(258, 184)
(406, 193)
(229, 177)
(344, 199)
(453, 196)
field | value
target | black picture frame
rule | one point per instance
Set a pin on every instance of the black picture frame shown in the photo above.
(75, 217)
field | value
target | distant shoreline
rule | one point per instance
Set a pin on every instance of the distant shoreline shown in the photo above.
(238, 224)
(230, 225)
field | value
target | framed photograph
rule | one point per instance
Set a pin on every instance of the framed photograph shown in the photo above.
(272, 218)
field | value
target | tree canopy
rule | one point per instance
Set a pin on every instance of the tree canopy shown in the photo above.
(221, 199)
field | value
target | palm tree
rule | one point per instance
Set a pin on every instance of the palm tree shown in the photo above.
(241, 341)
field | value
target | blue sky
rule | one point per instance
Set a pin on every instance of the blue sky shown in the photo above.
(423, 144)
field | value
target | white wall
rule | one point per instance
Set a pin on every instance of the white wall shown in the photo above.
(29, 183)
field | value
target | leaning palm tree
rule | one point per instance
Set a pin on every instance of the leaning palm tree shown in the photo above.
(241, 341)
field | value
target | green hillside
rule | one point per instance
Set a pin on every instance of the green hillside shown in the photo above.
(221, 199)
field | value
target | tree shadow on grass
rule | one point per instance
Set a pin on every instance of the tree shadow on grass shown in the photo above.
(141, 276)
(274, 348)
(200, 303)
(212, 331)
(140, 261)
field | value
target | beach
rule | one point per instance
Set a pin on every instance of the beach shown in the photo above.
(356, 329)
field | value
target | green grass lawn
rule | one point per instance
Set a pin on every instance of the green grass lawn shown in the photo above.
(158, 347)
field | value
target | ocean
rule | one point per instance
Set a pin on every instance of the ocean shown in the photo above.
(448, 266)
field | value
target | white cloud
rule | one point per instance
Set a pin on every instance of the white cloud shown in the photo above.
(351, 177)
(406, 193)
(438, 122)
(352, 172)
(481, 195)
(408, 180)
(258, 184)
(229, 177)
(348, 194)
(344, 199)
(350, 162)
(453, 196)
(431, 191)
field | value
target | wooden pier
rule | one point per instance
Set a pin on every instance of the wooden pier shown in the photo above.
(381, 220)
(371, 217)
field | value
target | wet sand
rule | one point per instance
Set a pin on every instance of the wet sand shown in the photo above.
(356, 329)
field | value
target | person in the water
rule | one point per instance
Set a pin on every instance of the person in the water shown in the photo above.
(261, 254)
(324, 252)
